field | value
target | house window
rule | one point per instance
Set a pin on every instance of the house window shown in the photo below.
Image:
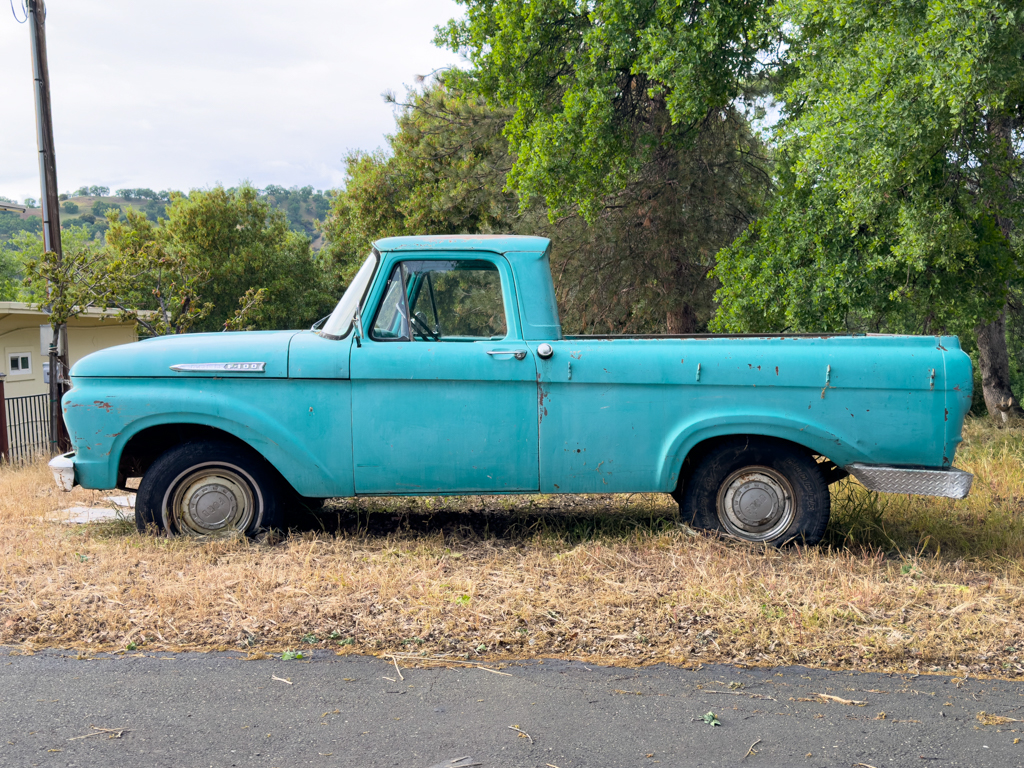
(19, 363)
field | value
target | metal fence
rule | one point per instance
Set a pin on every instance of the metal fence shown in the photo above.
(28, 426)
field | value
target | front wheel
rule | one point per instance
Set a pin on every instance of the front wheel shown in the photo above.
(209, 488)
(758, 490)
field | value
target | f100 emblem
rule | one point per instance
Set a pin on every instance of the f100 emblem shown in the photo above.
(220, 367)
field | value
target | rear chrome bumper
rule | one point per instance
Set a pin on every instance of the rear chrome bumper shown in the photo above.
(952, 483)
(63, 468)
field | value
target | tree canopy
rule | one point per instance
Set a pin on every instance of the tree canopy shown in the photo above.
(597, 89)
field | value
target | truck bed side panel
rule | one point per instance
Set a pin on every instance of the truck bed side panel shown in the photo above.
(620, 416)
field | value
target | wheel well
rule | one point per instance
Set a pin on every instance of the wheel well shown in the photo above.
(829, 470)
(150, 444)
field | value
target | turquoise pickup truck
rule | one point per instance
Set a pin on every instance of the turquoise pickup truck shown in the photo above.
(444, 370)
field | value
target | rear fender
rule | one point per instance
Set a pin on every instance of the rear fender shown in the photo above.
(814, 437)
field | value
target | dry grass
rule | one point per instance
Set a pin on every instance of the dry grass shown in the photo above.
(903, 582)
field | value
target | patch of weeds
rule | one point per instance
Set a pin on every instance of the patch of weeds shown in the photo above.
(346, 641)
(462, 599)
(857, 519)
(117, 528)
(292, 656)
(249, 641)
(911, 570)
(310, 639)
(481, 648)
(711, 719)
(131, 646)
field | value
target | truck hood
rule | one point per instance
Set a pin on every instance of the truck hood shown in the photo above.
(154, 357)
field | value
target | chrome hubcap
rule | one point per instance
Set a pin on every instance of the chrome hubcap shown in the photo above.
(210, 500)
(756, 503)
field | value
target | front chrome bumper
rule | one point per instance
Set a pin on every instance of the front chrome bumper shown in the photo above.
(952, 483)
(63, 468)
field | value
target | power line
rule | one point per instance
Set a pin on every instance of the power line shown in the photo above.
(15, 15)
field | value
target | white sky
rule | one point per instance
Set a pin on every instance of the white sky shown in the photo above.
(183, 94)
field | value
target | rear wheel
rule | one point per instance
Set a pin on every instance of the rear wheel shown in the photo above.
(758, 490)
(209, 488)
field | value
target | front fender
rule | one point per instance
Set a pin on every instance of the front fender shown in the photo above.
(301, 429)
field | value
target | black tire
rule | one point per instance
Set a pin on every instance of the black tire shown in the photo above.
(209, 488)
(728, 489)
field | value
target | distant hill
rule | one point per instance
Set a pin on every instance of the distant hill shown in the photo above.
(302, 207)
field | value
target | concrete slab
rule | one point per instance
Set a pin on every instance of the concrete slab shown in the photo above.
(119, 507)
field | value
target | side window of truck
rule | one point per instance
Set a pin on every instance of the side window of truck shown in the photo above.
(441, 301)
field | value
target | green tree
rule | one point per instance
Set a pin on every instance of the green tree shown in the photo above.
(897, 205)
(143, 193)
(597, 89)
(99, 208)
(640, 263)
(11, 223)
(242, 242)
(158, 287)
(443, 173)
(220, 259)
(11, 261)
(623, 119)
(67, 288)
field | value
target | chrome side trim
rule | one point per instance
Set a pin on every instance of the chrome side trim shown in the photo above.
(63, 468)
(951, 483)
(220, 367)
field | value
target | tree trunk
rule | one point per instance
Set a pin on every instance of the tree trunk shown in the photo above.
(994, 363)
(681, 321)
(994, 358)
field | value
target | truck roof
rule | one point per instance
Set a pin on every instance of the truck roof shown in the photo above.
(503, 244)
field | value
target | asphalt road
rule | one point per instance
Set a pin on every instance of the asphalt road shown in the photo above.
(183, 710)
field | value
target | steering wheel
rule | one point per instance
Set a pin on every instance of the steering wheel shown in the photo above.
(420, 327)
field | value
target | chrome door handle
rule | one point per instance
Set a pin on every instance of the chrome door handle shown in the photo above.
(520, 354)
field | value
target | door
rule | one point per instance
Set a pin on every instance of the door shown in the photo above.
(444, 391)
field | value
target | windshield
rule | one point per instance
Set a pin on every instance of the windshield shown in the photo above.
(340, 321)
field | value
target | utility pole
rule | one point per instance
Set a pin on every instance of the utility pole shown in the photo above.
(51, 214)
